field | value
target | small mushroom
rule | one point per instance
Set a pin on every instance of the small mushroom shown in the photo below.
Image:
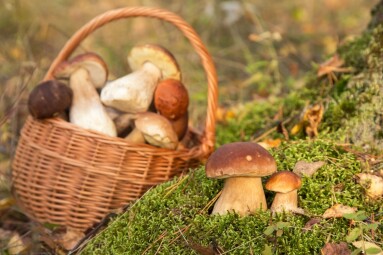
(49, 99)
(241, 164)
(134, 92)
(171, 99)
(86, 72)
(286, 185)
(154, 129)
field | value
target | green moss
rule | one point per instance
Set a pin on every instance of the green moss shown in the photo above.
(155, 222)
(174, 218)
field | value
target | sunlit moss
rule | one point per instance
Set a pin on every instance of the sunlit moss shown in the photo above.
(171, 221)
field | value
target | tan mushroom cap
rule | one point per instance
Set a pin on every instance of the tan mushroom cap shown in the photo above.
(283, 182)
(93, 63)
(157, 55)
(156, 130)
(238, 159)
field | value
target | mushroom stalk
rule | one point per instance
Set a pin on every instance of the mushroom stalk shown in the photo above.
(244, 195)
(132, 92)
(285, 202)
(87, 110)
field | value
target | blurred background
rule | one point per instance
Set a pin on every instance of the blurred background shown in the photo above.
(261, 48)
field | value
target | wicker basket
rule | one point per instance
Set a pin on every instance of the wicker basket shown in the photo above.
(65, 175)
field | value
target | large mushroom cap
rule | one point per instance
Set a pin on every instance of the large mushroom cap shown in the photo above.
(283, 182)
(240, 159)
(157, 55)
(93, 63)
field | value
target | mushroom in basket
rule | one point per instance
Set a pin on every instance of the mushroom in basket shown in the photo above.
(86, 72)
(154, 129)
(171, 100)
(134, 92)
(49, 99)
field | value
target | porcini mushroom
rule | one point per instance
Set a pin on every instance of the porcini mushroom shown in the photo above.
(171, 99)
(154, 129)
(134, 92)
(86, 72)
(241, 164)
(181, 125)
(49, 98)
(286, 185)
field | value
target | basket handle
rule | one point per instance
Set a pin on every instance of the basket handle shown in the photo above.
(208, 137)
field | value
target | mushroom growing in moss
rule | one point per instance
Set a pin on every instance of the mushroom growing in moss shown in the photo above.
(241, 164)
(286, 185)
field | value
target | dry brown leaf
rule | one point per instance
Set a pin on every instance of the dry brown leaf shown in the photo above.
(303, 168)
(310, 120)
(68, 239)
(372, 184)
(332, 66)
(335, 249)
(17, 245)
(310, 224)
(313, 116)
(337, 211)
(367, 245)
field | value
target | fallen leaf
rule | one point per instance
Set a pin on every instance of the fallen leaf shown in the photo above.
(17, 245)
(68, 239)
(337, 211)
(310, 224)
(311, 117)
(368, 246)
(372, 184)
(303, 168)
(270, 143)
(335, 249)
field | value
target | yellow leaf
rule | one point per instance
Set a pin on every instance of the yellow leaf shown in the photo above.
(337, 211)
(297, 128)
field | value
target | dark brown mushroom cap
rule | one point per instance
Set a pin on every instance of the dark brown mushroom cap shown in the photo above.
(240, 159)
(49, 98)
(283, 182)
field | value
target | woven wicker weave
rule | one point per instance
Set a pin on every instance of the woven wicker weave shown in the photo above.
(65, 175)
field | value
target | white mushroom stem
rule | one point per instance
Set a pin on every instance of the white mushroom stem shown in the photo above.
(87, 110)
(243, 195)
(286, 202)
(132, 92)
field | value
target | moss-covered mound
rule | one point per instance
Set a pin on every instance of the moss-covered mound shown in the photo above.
(174, 217)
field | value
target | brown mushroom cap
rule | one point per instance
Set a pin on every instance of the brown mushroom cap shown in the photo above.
(93, 63)
(240, 159)
(283, 182)
(49, 98)
(157, 55)
(171, 99)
